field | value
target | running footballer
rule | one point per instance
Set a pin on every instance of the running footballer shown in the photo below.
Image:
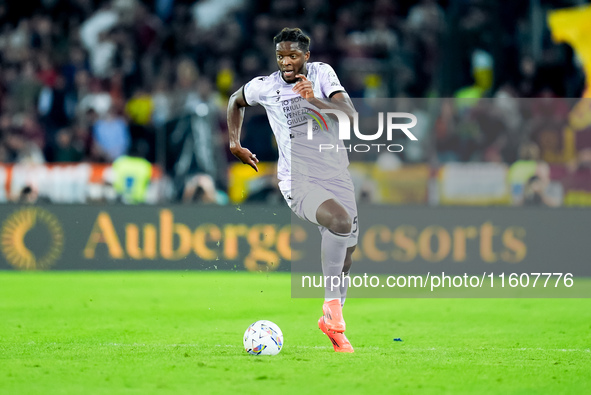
(316, 186)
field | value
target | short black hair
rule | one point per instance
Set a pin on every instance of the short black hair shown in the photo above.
(295, 35)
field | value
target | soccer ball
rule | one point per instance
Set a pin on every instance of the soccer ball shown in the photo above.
(263, 338)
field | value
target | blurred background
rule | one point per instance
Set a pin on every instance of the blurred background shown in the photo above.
(125, 100)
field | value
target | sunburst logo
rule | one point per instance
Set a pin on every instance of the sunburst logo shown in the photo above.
(31, 239)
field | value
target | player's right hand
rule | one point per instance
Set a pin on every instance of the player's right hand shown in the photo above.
(246, 157)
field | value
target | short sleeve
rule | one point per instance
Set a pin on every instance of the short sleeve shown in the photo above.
(329, 81)
(252, 90)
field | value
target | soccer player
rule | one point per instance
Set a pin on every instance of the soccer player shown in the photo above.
(316, 185)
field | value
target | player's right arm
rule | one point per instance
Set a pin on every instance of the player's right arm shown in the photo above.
(236, 107)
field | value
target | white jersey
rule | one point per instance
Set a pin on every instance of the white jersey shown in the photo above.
(288, 113)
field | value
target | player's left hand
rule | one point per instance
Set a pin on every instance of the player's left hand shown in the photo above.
(246, 157)
(304, 87)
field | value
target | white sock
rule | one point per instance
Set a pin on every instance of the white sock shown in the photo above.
(344, 287)
(333, 250)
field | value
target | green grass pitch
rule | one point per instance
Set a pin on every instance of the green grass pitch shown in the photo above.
(181, 333)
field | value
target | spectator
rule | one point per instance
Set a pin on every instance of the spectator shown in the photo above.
(28, 195)
(139, 108)
(139, 111)
(201, 188)
(534, 193)
(120, 56)
(25, 89)
(111, 136)
(132, 175)
(161, 103)
(65, 148)
(22, 151)
(76, 63)
(56, 107)
(97, 100)
(94, 36)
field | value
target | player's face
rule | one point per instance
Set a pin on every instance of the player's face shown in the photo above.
(291, 60)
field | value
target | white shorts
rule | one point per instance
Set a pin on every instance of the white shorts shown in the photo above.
(304, 198)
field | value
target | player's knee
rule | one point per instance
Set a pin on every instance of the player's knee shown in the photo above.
(340, 223)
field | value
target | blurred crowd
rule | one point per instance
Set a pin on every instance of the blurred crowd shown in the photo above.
(92, 80)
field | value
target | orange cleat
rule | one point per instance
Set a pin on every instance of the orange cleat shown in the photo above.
(339, 340)
(333, 316)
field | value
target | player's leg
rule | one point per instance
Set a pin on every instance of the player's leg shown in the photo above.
(337, 223)
(343, 188)
(335, 218)
(346, 271)
(318, 205)
(339, 341)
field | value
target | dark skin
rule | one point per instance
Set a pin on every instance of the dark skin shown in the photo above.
(291, 61)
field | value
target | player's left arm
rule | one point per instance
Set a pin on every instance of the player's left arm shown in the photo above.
(338, 101)
(236, 107)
